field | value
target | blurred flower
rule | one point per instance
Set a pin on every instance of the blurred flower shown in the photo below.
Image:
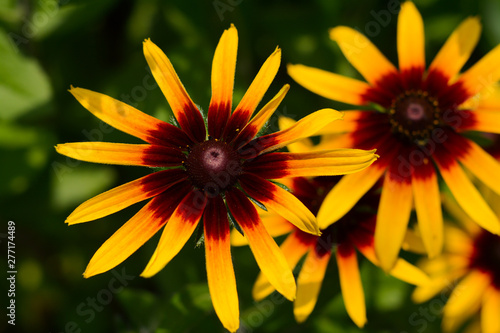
(416, 119)
(353, 231)
(470, 267)
(205, 173)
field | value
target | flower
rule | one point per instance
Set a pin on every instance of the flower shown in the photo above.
(417, 119)
(204, 174)
(353, 231)
(469, 267)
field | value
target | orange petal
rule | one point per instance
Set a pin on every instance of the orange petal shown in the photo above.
(329, 85)
(309, 284)
(468, 197)
(362, 54)
(294, 247)
(392, 220)
(254, 94)
(458, 48)
(484, 120)
(346, 193)
(270, 259)
(469, 291)
(348, 123)
(410, 40)
(223, 68)
(128, 119)
(220, 272)
(490, 311)
(280, 201)
(185, 111)
(428, 207)
(260, 119)
(179, 228)
(304, 128)
(122, 153)
(350, 284)
(125, 195)
(133, 234)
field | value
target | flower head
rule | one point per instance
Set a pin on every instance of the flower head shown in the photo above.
(206, 175)
(354, 231)
(416, 119)
(469, 267)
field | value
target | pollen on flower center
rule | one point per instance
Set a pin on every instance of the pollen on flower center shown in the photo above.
(213, 166)
(414, 114)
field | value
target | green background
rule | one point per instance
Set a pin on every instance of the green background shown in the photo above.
(45, 47)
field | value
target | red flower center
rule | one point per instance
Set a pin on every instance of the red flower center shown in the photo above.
(213, 166)
(486, 256)
(414, 114)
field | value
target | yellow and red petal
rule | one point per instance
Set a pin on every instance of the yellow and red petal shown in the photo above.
(346, 194)
(428, 206)
(329, 85)
(139, 229)
(122, 153)
(410, 38)
(294, 248)
(128, 119)
(270, 259)
(220, 272)
(350, 283)
(254, 95)
(458, 48)
(185, 111)
(126, 195)
(490, 311)
(258, 121)
(362, 54)
(304, 128)
(223, 69)
(311, 164)
(281, 201)
(301, 146)
(483, 74)
(466, 194)
(309, 283)
(178, 230)
(483, 120)
(392, 219)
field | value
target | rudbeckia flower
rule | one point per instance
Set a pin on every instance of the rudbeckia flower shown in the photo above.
(206, 175)
(416, 118)
(469, 268)
(354, 231)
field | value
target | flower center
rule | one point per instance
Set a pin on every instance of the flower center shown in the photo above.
(486, 256)
(213, 166)
(414, 114)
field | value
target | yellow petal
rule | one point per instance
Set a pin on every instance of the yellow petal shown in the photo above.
(490, 311)
(362, 54)
(458, 48)
(428, 207)
(425, 292)
(306, 127)
(329, 85)
(468, 197)
(309, 284)
(483, 74)
(301, 146)
(270, 259)
(179, 228)
(125, 195)
(410, 40)
(468, 292)
(280, 201)
(220, 272)
(185, 111)
(484, 121)
(293, 249)
(348, 123)
(392, 220)
(346, 193)
(350, 284)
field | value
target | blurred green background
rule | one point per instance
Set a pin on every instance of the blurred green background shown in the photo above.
(46, 46)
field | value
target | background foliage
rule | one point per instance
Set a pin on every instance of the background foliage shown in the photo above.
(46, 46)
